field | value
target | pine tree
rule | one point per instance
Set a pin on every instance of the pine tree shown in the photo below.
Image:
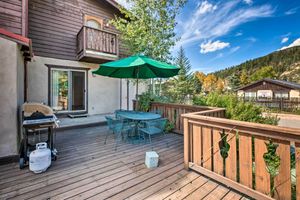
(184, 64)
(234, 82)
(181, 86)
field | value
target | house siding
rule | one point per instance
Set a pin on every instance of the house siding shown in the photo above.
(266, 86)
(11, 15)
(53, 25)
(11, 98)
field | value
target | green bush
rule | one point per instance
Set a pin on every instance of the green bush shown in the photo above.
(169, 126)
(236, 109)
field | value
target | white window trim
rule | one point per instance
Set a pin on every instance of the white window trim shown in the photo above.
(69, 88)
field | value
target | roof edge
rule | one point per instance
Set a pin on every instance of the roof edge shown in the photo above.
(15, 37)
(274, 81)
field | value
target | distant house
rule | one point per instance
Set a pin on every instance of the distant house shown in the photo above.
(268, 89)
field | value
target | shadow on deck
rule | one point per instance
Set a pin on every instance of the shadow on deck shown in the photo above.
(86, 168)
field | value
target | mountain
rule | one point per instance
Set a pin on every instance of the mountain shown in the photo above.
(285, 63)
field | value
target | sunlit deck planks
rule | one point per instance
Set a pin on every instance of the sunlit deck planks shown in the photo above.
(88, 169)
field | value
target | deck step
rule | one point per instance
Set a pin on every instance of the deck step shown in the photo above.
(77, 115)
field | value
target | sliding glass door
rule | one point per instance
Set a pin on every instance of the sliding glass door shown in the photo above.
(68, 90)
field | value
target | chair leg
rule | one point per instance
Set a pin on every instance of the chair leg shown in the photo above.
(150, 138)
(150, 142)
(117, 135)
(165, 136)
(106, 137)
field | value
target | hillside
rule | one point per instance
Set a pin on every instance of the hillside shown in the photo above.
(285, 63)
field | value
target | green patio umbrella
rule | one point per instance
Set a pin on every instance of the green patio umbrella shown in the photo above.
(138, 67)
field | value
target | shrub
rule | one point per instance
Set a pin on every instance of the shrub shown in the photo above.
(236, 109)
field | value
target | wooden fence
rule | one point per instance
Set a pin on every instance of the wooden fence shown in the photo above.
(281, 104)
(173, 112)
(236, 154)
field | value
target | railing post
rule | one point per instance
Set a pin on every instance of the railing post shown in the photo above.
(186, 142)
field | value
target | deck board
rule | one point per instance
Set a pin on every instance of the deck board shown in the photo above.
(86, 168)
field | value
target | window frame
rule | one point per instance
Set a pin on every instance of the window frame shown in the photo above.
(69, 70)
(99, 20)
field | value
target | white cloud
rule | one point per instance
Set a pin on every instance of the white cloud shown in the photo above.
(205, 7)
(213, 46)
(293, 44)
(251, 39)
(234, 49)
(284, 40)
(249, 2)
(238, 34)
(227, 16)
(292, 11)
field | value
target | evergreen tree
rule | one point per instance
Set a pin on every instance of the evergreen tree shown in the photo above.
(182, 86)
(244, 79)
(234, 82)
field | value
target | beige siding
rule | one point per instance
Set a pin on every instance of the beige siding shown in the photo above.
(294, 94)
(11, 88)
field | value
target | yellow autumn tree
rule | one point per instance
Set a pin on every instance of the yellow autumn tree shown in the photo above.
(220, 85)
(210, 83)
(244, 80)
(201, 76)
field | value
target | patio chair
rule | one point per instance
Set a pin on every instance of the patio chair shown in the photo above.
(118, 127)
(117, 115)
(153, 127)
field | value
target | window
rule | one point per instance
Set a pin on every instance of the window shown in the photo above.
(250, 95)
(93, 22)
(281, 95)
(67, 89)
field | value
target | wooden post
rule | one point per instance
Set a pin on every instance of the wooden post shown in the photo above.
(186, 142)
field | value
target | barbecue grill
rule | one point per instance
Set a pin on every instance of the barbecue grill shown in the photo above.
(36, 118)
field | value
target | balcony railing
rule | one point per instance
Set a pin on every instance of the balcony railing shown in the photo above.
(95, 43)
(261, 161)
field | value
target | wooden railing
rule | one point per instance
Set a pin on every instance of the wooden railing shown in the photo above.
(235, 153)
(97, 40)
(281, 104)
(173, 112)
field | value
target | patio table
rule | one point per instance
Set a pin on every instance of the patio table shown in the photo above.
(137, 117)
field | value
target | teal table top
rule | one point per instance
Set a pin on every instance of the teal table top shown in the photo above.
(139, 116)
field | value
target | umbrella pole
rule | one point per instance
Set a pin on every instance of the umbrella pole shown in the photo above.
(137, 90)
(127, 94)
(121, 96)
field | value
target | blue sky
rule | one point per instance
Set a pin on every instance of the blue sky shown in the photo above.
(221, 33)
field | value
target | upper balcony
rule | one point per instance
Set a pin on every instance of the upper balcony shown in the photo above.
(94, 45)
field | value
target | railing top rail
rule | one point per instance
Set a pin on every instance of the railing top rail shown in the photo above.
(101, 30)
(184, 106)
(263, 130)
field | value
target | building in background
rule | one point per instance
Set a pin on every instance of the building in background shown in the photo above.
(270, 89)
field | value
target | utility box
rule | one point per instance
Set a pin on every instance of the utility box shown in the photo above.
(151, 160)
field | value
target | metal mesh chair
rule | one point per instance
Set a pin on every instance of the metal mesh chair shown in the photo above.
(118, 127)
(151, 128)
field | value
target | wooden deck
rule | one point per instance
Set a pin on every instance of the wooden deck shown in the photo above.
(88, 169)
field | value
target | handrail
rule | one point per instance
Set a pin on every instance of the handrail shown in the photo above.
(244, 167)
(101, 30)
(265, 130)
(98, 40)
(173, 112)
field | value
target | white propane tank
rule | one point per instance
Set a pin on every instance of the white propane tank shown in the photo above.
(40, 159)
